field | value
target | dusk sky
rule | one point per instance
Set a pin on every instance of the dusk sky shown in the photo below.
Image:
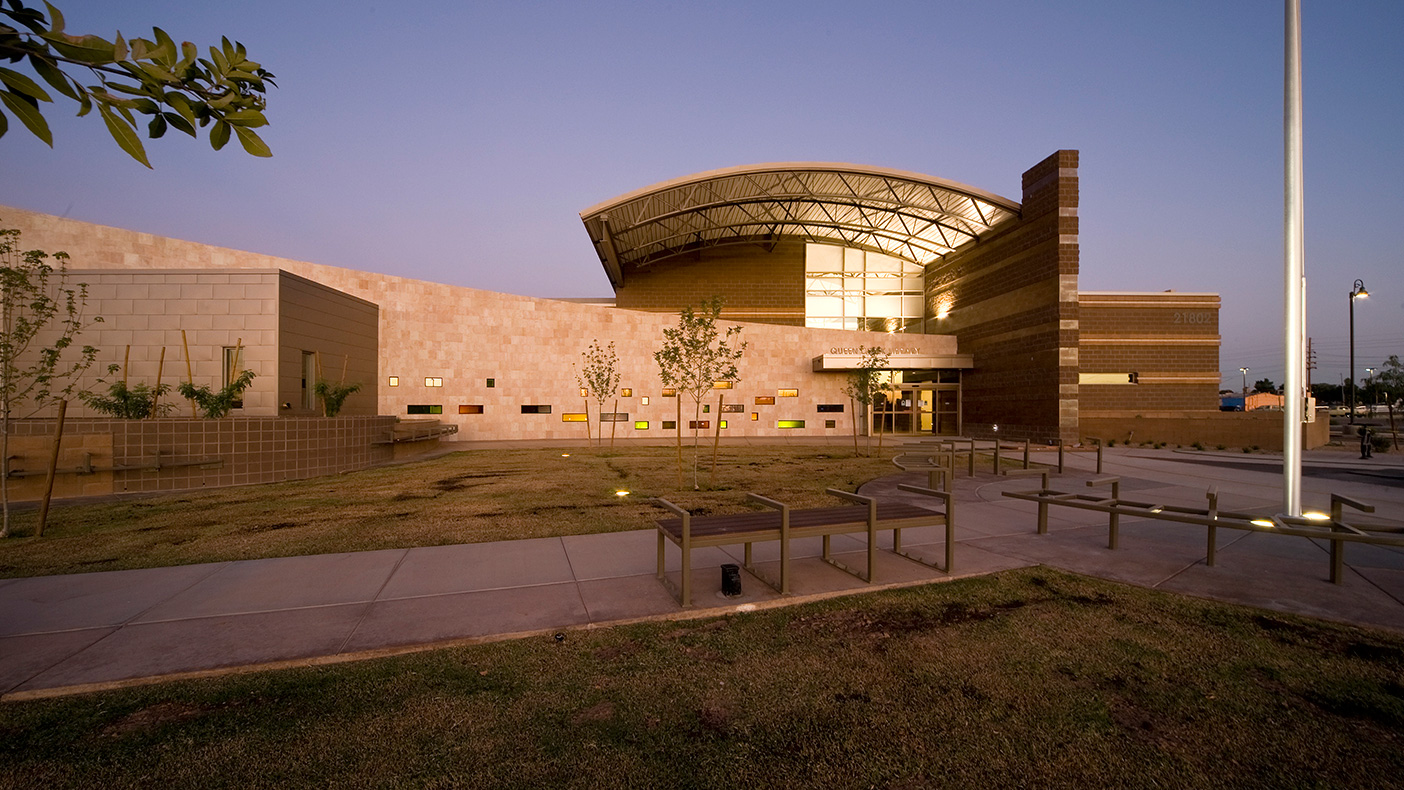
(458, 142)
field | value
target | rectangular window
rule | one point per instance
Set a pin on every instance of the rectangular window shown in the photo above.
(573, 416)
(626, 392)
(722, 385)
(492, 383)
(788, 393)
(433, 381)
(424, 409)
(699, 424)
(584, 393)
(536, 409)
(730, 408)
(765, 400)
(669, 392)
(309, 376)
(644, 400)
(670, 425)
(706, 408)
(790, 424)
(723, 425)
(640, 425)
(829, 423)
(755, 416)
(470, 409)
(830, 407)
(394, 381)
(612, 416)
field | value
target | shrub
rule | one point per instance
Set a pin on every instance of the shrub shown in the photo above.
(1198, 445)
(1220, 447)
(333, 395)
(128, 403)
(217, 404)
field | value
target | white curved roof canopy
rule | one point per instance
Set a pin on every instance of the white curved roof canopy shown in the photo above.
(905, 215)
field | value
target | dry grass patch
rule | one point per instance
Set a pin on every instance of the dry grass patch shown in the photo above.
(1031, 678)
(467, 497)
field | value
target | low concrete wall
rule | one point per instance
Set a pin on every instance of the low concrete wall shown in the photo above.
(1262, 429)
(101, 456)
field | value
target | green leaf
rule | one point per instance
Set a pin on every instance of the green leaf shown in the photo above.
(119, 48)
(85, 105)
(251, 119)
(124, 134)
(180, 104)
(220, 64)
(55, 18)
(219, 135)
(28, 115)
(180, 123)
(157, 127)
(85, 49)
(22, 84)
(165, 53)
(145, 106)
(4, 124)
(141, 48)
(189, 54)
(51, 74)
(252, 142)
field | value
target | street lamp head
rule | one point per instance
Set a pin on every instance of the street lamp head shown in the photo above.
(1358, 290)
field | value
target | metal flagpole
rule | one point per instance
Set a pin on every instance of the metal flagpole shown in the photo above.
(1295, 270)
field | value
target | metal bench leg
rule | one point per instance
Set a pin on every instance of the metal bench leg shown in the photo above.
(1338, 562)
(826, 548)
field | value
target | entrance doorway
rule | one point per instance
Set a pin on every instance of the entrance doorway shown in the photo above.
(919, 409)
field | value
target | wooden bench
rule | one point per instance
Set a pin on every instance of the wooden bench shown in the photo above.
(784, 524)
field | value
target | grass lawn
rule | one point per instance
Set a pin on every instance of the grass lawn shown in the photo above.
(1031, 678)
(466, 497)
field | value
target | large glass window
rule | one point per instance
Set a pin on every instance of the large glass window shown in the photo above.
(853, 289)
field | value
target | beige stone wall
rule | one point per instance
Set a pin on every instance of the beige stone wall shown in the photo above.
(147, 311)
(340, 330)
(526, 345)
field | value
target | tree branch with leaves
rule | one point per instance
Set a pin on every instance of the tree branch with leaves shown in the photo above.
(172, 85)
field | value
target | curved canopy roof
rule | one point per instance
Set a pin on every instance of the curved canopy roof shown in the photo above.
(905, 215)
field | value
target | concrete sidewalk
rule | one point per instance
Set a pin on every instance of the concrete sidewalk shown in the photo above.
(66, 633)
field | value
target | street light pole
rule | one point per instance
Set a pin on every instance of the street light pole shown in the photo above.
(1294, 266)
(1357, 291)
(1370, 385)
(1244, 371)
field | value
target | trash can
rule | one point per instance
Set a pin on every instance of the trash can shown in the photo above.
(731, 580)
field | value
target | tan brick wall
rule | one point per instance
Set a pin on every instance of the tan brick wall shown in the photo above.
(1233, 430)
(242, 450)
(1170, 340)
(1012, 301)
(757, 283)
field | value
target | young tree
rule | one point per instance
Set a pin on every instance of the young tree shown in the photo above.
(599, 376)
(694, 356)
(40, 318)
(864, 384)
(1265, 386)
(1390, 380)
(172, 85)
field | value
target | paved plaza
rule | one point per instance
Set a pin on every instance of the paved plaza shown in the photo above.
(87, 631)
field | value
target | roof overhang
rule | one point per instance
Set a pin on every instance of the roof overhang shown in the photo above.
(845, 362)
(895, 212)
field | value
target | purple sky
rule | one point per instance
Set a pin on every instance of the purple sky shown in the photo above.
(458, 142)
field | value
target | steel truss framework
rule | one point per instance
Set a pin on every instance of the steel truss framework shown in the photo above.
(906, 215)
